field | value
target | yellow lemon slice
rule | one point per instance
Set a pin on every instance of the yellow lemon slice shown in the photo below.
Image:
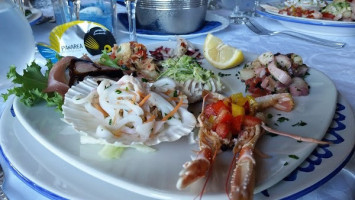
(220, 55)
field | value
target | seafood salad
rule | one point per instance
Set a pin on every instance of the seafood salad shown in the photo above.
(275, 73)
(128, 111)
(336, 10)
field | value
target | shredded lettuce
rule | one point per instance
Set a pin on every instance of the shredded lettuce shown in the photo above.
(185, 68)
(111, 152)
(29, 86)
(337, 8)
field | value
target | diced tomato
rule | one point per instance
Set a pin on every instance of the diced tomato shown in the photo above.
(223, 130)
(237, 124)
(246, 108)
(251, 120)
(113, 55)
(327, 15)
(224, 116)
(253, 86)
(218, 106)
(209, 111)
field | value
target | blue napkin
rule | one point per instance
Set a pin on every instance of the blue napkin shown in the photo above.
(208, 26)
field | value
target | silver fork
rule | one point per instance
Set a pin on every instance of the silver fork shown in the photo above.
(258, 29)
(2, 179)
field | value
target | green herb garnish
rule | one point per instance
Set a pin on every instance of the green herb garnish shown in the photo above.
(301, 123)
(282, 119)
(293, 156)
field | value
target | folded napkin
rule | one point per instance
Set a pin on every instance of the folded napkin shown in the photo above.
(207, 26)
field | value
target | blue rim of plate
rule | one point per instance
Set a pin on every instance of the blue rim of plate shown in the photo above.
(306, 21)
(28, 182)
(52, 195)
(23, 178)
(322, 181)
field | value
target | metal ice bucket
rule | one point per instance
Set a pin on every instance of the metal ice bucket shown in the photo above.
(171, 16)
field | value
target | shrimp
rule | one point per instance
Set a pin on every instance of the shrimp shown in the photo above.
(219, 126)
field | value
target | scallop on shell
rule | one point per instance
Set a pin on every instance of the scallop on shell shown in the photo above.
(115, 112)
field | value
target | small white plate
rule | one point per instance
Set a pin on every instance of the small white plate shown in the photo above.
(310, 26)
(209, 17)
(56, 179)
(127, 172)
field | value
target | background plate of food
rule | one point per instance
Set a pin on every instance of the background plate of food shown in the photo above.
(318, 17)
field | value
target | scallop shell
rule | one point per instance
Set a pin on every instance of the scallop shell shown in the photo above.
(86, 124)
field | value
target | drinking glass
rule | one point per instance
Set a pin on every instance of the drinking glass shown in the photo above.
(131, 11)
(19, 4)
(16, 39)
(99, 11)
(244, 9)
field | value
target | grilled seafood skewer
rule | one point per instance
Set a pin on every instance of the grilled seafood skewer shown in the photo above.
(232, 122)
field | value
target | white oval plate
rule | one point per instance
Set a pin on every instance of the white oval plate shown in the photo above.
(55, 179)
(209, 17)
(311, 26)
(135, 170)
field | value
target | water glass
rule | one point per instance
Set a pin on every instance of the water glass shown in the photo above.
(244, 9)
(62, 13)
(16, 39)
(99, 11)
(131, 11)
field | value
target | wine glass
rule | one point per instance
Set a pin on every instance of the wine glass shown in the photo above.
(131, 11)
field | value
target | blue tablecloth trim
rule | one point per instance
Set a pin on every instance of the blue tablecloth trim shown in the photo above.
(208, 26)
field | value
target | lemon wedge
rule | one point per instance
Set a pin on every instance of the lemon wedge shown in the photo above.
(220, 55)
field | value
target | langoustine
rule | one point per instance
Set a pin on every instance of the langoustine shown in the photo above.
(235, 121)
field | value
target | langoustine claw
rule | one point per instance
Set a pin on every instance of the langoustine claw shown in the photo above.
(209, 146)
(243, 177)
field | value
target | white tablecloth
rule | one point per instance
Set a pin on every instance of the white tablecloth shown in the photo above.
(337, 64)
